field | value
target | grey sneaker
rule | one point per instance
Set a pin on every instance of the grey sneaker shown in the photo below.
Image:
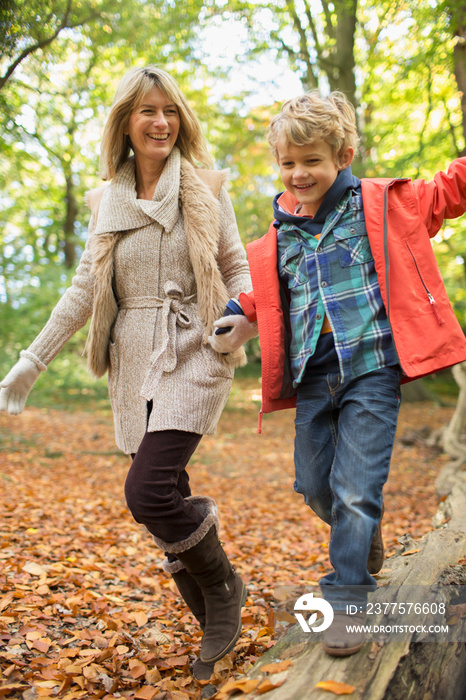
(343, 638)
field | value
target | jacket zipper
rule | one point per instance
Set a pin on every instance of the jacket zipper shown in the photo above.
(432, 302)
(387, 265)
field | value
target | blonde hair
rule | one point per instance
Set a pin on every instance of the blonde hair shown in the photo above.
(310, 116)
(133, 87)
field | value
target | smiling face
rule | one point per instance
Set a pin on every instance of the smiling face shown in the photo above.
(153, 128)
(309, 171)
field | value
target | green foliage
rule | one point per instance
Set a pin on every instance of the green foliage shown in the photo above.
(67, 381)
(241, 146)
(60, 61)
(411, 110)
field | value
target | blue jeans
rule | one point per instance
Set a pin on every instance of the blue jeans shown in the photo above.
(343, 445)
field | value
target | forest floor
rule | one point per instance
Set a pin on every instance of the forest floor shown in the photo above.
(86, 610)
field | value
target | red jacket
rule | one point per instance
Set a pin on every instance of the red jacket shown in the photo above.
(401, 216)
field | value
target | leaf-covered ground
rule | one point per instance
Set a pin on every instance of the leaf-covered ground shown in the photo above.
(86, 611)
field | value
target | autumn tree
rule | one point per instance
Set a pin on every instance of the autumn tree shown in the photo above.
(28, 26)
(397, 61)
(54, 110)
(456, 13)
(317, 41)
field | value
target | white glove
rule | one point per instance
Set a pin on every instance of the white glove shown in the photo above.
(241, 331)
(17, 385)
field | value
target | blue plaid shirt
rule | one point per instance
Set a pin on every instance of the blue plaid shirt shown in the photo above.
(334, 275)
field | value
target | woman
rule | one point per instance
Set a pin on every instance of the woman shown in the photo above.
(162, 260)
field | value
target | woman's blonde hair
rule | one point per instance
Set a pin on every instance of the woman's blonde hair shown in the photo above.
(133, 87)
(310, 116)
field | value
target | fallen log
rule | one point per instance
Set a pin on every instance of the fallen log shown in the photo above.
(409, 669)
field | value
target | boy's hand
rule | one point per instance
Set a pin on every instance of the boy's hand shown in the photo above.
(240, 331)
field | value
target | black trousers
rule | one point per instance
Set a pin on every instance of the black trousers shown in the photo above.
(157, 484)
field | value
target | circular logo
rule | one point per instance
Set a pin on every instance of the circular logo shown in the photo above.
(307, 603)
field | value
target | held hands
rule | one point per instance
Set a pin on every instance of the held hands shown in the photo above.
(241, 331)
(17, 385)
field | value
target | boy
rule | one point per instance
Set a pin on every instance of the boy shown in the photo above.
(348, 300)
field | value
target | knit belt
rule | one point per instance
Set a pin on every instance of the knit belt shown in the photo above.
(173, 313)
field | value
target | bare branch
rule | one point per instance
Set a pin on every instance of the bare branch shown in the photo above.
(328, 20)
(45, 42)
(310, 78)
(313, 28)
(300, 29)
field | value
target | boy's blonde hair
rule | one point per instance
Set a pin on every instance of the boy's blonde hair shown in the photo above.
(310, 116)
(133, 87)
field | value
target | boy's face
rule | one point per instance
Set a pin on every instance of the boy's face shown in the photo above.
(309, 171)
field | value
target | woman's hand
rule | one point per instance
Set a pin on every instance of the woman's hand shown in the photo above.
(240, 331)
(17, 385)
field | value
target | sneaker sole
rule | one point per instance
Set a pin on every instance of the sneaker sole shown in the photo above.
(342, 651)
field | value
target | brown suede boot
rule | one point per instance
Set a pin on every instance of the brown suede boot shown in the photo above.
(188, 588)
(222, 588)
(224, 595)
(377, 551)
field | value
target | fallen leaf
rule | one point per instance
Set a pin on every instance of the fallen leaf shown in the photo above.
(284, 616)
(122, 649)
(336, 688)
(410, 551)
(147, 692)
(42, 645)
(47, 684)
(264, 631)
(276, 667)
(268, 684)
(137, 668)
(242, 685)
(140, 618)
(154, 637)
(5, 602)
(153, 676)
(77, 570)
(35, 569)
(177, 661)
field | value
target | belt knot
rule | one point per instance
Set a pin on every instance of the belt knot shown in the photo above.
(173, 314)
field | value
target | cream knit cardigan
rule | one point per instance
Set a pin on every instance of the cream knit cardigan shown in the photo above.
(155, 275)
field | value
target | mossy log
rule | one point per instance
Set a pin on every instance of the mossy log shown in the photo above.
(395, 670)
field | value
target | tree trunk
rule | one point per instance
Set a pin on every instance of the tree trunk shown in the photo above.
(343, 78)
(458, 20)
(454, 435)
(69, 245)
(326, 43)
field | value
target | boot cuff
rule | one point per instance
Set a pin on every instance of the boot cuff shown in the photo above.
(172, 567)
(208, 508)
